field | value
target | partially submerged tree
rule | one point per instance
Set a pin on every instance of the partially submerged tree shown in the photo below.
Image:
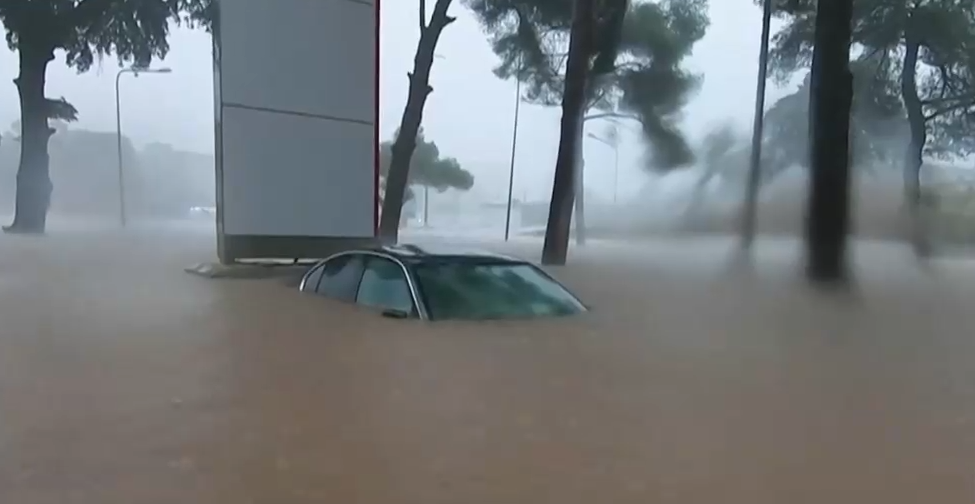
(427, 168)
(920, 49)
(568, 173)
(830, 103)
(402, 149)
(628, 61)
(85, 30)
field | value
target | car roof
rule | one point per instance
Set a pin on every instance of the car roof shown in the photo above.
(436, 253)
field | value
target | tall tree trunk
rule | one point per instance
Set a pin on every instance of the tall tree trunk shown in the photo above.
(831, 99)
(915, 119)
(580, 186)
(556, 248)
(913, 158)
(405, 143)
(33, 175)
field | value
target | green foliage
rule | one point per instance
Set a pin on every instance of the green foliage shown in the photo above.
(61, 110)
(635, 69)
(718, 144)
(59, 113)
(721, 149)
(878, 25)
(86, 30)
(951, 133)
(428, 168)
(945, 32)
(197, 13)
(876, 130)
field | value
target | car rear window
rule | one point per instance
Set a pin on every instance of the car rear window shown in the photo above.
(483, 291)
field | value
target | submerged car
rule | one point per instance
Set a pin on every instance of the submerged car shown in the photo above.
(409, 281)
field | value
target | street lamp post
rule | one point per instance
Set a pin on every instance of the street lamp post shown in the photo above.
(514, 147)
(426, 188)
(426, 206)
(614, 137)
(615, 145)
(118, 133)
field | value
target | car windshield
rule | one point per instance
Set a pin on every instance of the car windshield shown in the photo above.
(482, 291)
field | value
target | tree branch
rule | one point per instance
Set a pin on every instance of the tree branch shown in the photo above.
(964, 99)
(950, 109)
(596, 98)
(439, 18)
(87, 12)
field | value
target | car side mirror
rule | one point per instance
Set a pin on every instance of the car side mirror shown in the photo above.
(395, 314)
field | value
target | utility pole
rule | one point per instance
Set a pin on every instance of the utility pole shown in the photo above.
(122, 217)
(514, 146)
(612, 141)
(426, 206)
(750, 207)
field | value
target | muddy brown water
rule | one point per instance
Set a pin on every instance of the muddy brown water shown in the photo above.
(125, 381)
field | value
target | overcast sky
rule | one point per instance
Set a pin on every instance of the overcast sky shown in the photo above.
(469, 114)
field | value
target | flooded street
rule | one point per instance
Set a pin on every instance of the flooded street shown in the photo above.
(124, 380)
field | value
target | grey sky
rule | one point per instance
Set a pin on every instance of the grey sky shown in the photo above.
(469, 114)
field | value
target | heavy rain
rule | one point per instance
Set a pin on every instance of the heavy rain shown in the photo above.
(136, 368)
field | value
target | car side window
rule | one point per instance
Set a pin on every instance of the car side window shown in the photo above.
(312, 278)
(340, 277)
(384, 286)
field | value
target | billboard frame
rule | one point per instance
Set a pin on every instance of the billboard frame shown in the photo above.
(232, 248)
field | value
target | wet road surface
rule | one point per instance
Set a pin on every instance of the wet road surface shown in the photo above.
(125, 381)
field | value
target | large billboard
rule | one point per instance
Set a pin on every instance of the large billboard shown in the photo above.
(297, 112)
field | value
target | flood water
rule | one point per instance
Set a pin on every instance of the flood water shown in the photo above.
(124, 380)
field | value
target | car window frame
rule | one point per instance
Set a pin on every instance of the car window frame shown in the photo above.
(417, 311)
(418, 304)
(354, 288)
(317, 269)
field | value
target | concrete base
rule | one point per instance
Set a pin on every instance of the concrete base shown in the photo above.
(288, 271)
(234, 248)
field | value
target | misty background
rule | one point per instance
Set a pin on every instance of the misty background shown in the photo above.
(167, 120)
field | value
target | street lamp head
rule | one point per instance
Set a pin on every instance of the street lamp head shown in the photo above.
(610, 142)
(137, 70)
